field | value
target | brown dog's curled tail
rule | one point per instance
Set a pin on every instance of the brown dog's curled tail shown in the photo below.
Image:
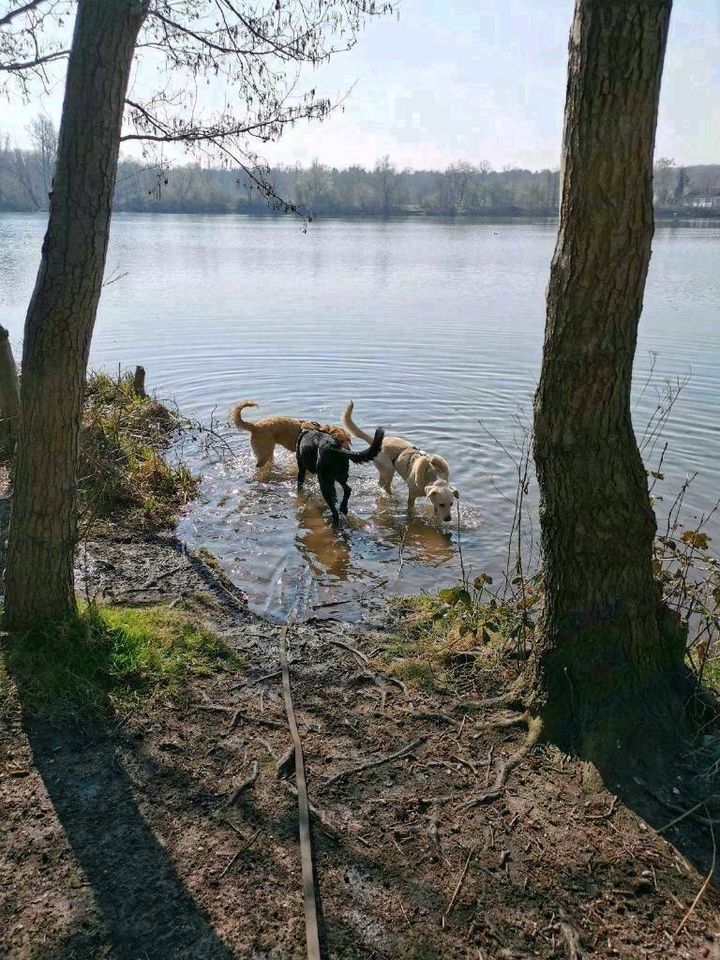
(235, 416)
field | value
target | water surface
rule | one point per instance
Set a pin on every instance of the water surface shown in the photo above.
(434, 329)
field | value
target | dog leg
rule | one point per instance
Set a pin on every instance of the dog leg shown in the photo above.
(346, 498)
(327, 488)
(386, 470)
(262, 449)
(301, 478)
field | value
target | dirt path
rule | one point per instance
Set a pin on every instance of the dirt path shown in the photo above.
(117, 840)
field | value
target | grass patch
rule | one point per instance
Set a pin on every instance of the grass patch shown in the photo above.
(109, 656)
(462, 627)
(124, 473)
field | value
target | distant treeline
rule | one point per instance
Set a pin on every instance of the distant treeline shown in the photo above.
(463, 189)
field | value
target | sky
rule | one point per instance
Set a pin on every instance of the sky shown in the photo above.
(475, 80)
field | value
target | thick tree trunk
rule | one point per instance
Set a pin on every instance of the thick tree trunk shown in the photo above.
(604, 644)
(60, 319)
(9, 397)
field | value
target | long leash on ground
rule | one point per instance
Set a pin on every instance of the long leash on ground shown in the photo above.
(311, 919)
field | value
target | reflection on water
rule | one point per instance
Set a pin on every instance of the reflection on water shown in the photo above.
(326, 550)
(434, 329)
(270, 538)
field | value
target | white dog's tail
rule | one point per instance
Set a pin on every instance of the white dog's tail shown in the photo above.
(235, 416)
(440, 465)
(349, 424)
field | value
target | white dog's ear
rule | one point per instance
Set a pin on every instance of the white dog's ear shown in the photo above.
(456, 494)
(429, 489)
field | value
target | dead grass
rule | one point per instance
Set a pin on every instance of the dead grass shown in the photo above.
(125, 473)
(458, 628)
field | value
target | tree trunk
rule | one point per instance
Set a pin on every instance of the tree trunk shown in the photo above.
(606, 648)
(61, 315)
(9, 397)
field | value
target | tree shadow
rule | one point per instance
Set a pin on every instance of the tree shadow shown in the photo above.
(665, 777)
(143, 905)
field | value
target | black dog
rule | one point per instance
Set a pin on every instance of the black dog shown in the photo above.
(322, 454)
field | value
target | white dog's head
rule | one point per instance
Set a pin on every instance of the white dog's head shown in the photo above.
(442, 496)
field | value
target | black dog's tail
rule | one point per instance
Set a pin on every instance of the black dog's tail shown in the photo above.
(365, 456)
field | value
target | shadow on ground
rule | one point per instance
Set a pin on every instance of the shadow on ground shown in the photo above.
(144, 908)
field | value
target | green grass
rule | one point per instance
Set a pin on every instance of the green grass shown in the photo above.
(110, 656)
(435, 634)
(124, 473)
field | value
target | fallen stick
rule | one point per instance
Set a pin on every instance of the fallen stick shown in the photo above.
(247, 782)
(398, 755)
(682, 816)
(153, 581)
(706, 882)
(243, 848)
(239, 715)
(458, 885)
(356, 599)
(312, 937)
(346, 646)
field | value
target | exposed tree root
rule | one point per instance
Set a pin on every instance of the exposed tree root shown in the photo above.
(515, 697)
(505, 723)
(535, 729)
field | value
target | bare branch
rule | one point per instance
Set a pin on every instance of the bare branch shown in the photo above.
(30, 64)
(25, 8)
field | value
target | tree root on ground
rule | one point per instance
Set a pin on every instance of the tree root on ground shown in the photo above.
(515, 697)
(535, 729)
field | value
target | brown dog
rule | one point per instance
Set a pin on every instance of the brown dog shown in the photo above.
(264, 434)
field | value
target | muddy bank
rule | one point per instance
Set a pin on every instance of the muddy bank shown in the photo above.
(118, 840)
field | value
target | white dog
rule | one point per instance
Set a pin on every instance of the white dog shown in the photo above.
(425, 474)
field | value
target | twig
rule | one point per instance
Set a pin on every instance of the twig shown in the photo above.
(243, 848)
(603, 816)
(706, 882)
(247, 782)
(682, 816)
(239, 715)
(398, 755)
(346, 646)
(153, 581)
(458, 885)
(357, 599)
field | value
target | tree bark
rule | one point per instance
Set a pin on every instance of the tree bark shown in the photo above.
(606, 648)
(61, 315)
(9, 397)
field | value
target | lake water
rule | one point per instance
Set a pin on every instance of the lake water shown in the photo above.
(434, 329)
